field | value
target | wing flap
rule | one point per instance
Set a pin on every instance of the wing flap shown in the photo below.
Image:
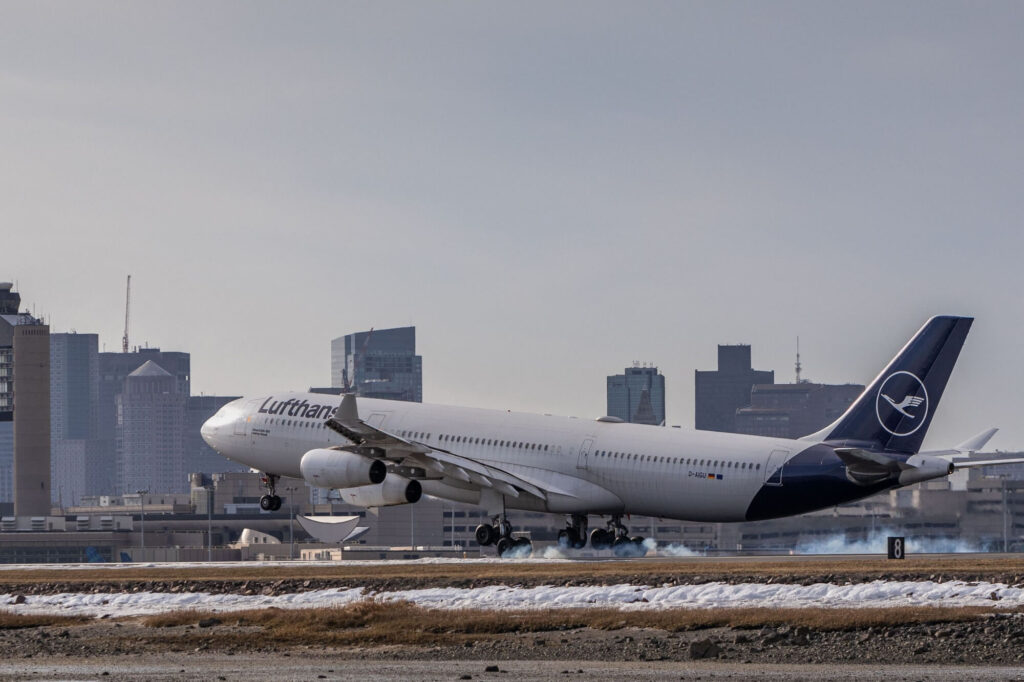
(346, 421)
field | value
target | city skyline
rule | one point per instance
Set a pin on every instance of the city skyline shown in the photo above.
(546, 192)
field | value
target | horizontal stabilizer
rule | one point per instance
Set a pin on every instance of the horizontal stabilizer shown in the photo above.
(978, 442)
(969, 464)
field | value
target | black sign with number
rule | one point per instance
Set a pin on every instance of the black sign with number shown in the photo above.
(897, 548)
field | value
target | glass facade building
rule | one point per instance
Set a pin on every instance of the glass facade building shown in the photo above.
(380, 363)
(637, 395)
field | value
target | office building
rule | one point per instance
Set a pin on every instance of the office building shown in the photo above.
(114, 368)
(75, 453)
(637, 395)
(150, 432)
(380, 363)
(718, 394)
(794, 410)
(24, 405)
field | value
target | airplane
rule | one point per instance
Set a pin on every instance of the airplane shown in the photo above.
(382, 452)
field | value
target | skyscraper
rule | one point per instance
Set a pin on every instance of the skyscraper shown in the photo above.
(637, 395)
(25, 404)
(150, 431)
(114, 368)
(718, 394)
(380, 363)
(75, 454)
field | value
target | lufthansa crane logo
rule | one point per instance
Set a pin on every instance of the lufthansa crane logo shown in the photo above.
(902, 403)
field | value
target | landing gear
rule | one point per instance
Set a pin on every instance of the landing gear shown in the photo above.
(499, 533)
(574, 536)
(616, 537)
(270, 501)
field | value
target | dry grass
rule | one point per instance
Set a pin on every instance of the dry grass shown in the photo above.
(950, 566)
(15, 621)
(378, 623)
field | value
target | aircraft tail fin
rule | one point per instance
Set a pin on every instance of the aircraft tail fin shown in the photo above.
(894, 412)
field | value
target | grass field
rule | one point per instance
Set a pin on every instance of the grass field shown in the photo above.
(376, 623)
(971, 566)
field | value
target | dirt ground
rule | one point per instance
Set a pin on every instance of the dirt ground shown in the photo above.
(987, 645)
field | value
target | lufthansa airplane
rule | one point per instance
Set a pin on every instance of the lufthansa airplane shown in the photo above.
(382, 452)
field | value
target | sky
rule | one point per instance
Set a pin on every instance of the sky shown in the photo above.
(547, 191)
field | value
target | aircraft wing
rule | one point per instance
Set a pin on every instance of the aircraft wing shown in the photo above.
(370, 440)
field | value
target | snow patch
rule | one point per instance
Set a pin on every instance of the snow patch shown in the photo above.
(500, 597)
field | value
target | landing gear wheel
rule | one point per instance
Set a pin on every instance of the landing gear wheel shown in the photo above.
(270, 501)
(601, 538)
(622, 546)
(563, 539)
(522, 547)
(485, 535)
(504, 545)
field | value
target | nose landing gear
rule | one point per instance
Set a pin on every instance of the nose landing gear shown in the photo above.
(270, 501)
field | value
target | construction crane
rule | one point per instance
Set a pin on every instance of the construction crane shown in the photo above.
(127, 310)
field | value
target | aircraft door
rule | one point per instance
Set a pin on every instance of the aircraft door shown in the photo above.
(242, 423)
(582, 462)
(376, 420)
(775, 466)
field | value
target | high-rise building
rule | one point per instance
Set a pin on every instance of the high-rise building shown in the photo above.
(24, 405)
(794, 410)
(75, 453)
(718, 394)
(114, 368)
(380, 363)
(637, 395)
(150, 432)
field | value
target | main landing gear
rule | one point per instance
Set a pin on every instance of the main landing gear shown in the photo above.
(574, 535)
(616, 537)
(270, 501)
(499, 533)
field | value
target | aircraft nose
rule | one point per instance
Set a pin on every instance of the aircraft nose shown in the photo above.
(209, 431)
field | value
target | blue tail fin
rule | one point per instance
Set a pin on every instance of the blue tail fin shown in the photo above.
(896, 409)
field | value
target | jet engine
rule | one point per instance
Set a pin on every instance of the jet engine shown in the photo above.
(325, 468)
(924, 468)
(394, 490)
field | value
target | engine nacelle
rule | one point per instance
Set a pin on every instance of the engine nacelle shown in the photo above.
(394, 490)
(925, 467)
(326, 468)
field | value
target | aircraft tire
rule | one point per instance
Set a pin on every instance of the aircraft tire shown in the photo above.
(622, 546)
(504, 545)
(600, 539)
(275, 501)
(563, 539)
(523, 544)
(484, 535)
(266, 503)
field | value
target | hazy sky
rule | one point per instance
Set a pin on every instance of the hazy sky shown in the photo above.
(548, 191)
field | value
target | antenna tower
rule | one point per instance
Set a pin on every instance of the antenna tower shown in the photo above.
(127, 310)
(798, 365)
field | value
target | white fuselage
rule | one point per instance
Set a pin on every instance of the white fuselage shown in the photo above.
(598, 466)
